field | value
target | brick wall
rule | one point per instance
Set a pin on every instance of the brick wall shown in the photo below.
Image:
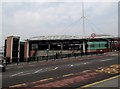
(8, 48)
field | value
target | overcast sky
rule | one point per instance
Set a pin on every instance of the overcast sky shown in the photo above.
(28, 19)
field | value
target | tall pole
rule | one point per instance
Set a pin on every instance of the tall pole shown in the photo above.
(83, 17)
(11, 55)
(27, 50)
(18, 52)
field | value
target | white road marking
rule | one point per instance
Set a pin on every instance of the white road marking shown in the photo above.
(106, 59)
(16, 74)
(78, 64)
(38, 71)
(86, 63)
(24, 74)
(114, 54)
(56, 68)
(100, 67)
(46, 69)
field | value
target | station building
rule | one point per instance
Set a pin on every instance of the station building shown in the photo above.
(50, 45)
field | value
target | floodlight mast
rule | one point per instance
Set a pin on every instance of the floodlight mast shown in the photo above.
(83, 18)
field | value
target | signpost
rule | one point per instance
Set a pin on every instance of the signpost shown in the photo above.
(93, 35)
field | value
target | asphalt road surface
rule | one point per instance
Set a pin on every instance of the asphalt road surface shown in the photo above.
(58, 73)
(0, 80)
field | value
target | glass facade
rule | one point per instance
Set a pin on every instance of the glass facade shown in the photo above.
(97, 45)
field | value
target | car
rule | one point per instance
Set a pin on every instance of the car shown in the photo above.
(2, 65)
(3, 68)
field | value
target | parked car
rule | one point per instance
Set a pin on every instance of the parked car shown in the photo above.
(2, 66)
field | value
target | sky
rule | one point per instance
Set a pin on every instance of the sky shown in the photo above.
(28, 19)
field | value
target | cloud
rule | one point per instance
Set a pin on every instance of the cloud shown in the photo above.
(29, 19)
(1, 41)
(60, 0)
(48, 17)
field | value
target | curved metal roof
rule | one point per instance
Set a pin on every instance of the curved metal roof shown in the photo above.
(63, 37)
(56, 37)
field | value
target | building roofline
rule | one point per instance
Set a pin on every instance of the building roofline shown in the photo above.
(64, 37)
(13, 36)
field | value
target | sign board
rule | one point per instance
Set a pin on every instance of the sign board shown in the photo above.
(93, 35)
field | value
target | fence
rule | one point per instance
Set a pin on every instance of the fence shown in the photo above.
(60, 56)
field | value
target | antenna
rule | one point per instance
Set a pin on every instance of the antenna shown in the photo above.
(83, 17)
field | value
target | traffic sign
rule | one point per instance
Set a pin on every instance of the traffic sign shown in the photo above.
(93, 35)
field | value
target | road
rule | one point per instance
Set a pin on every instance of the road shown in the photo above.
(0, 80)
(73, 72)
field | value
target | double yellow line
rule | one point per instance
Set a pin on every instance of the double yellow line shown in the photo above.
(18, 85)
(92, 84)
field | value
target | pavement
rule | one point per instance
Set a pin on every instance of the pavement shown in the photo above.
(66, 59)
(111, 82)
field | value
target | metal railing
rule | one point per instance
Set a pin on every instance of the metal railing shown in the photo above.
(59, 56)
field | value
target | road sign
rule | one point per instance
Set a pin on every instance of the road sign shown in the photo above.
(93, 35)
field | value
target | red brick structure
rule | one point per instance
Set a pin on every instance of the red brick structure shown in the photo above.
(12, 48)
(26, 50)
(9, 47)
